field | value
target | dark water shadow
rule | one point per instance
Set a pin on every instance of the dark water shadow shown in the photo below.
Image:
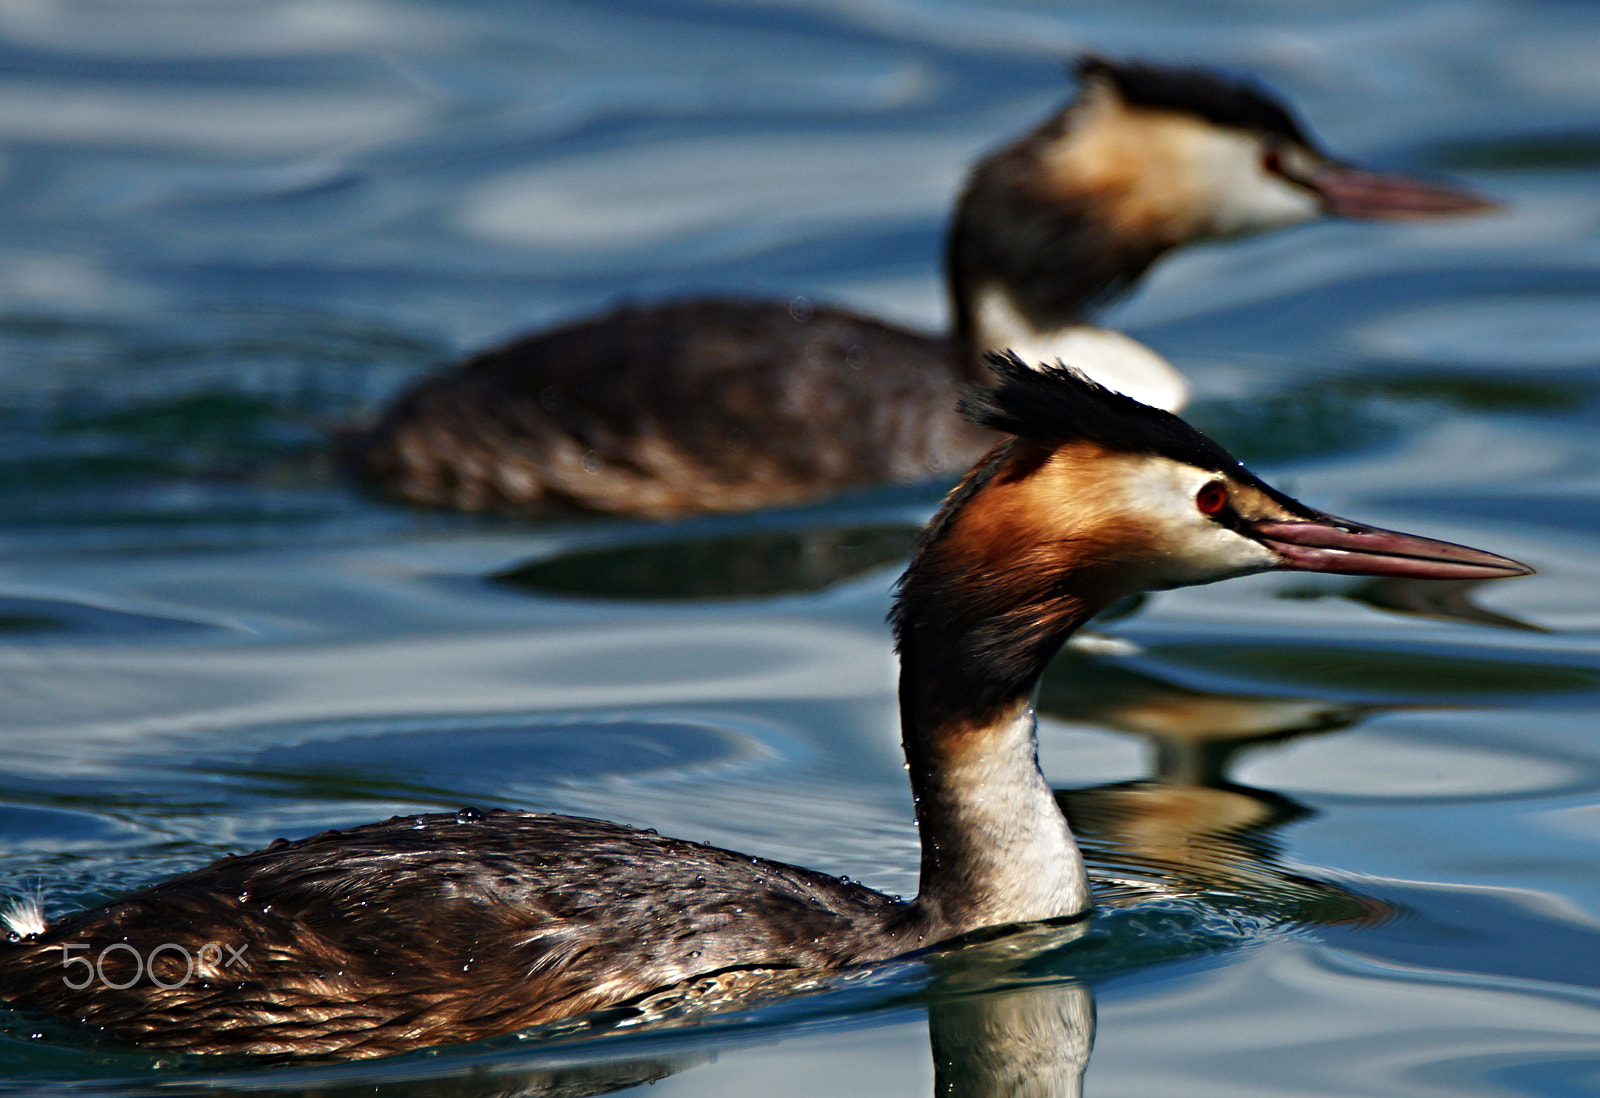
(37, 619)
(574, 1080)
(1572, 150)
(760, 564)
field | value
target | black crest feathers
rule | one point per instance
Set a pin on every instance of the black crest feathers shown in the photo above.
(1223, 100)
(1051, 405)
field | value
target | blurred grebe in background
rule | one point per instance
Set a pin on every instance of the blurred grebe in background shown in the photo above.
(726, 405)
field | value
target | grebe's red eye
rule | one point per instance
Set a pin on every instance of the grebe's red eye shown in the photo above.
(1212, 498)
(1272, 162)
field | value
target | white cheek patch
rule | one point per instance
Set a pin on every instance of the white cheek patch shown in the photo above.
(1240, 195)
(1186, 546)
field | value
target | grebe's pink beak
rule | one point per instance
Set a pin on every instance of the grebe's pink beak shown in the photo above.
(1353, 192)
(1328, 544)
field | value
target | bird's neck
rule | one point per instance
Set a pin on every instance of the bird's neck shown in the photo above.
(982, 611)
(1025, 273)
(995, 322)
(1042, 280)
(1067, 218)
(995, 847)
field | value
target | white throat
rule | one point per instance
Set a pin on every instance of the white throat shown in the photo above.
(1109, 357)
(1005, 851)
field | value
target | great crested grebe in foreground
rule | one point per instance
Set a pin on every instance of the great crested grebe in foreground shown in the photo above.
(720, 405)
(442, 928)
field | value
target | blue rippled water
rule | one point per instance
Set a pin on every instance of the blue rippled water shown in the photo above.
(227, 229)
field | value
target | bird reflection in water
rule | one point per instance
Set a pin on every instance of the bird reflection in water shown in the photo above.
(1446, 600)
(996, 1030)
(1029, 1041)
(1188, 830)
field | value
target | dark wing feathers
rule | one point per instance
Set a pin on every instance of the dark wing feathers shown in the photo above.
(675, 409)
